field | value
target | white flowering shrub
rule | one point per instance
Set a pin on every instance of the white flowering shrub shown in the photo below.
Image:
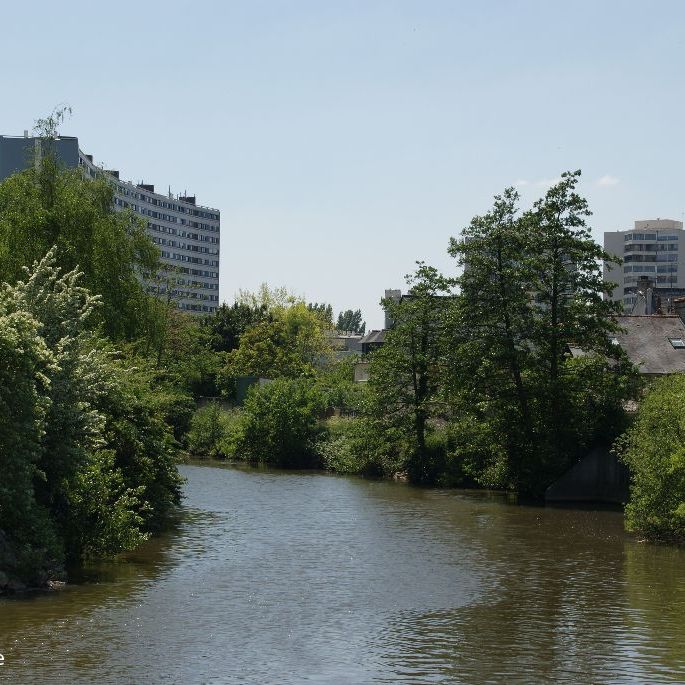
(86, 467)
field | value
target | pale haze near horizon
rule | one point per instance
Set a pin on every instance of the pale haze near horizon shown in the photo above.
(344, 141)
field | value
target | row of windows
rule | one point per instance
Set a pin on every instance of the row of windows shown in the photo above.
(659, 279)
(650, 236)
(184, 246)
(199, 272)
(183, 234)
(670, 269)
(198, 224)
(659, 257)
(650, 247)
(643, 269)
(187, 258)
(198, 284)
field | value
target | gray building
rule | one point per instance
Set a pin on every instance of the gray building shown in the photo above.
(188, 234)
(653, 269)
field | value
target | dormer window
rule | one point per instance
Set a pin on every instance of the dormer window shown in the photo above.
(677, 343)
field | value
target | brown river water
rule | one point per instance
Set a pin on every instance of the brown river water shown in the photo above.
(279, 578)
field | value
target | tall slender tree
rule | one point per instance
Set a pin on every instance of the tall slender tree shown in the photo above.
(408, 371)
(496, 319)
(569, 293)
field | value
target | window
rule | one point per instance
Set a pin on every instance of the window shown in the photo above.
(677, 343)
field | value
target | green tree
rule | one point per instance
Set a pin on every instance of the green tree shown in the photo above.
(292, 343)
(281, 424)
(491, 330)
(654, 451)
(228, 323)
(407, 373)
(351, 321)
(532, 291)
(25, 371)
(325, 311)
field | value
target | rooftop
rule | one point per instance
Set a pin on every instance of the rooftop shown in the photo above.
(654, 343)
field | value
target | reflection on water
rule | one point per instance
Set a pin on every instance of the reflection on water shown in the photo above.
(272, 577)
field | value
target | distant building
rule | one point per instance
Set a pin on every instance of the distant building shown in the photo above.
(187, 234)
(372, 341)
(345, 344)
(395, 296)
(653, 269)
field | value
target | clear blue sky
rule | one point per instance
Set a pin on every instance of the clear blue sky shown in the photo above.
(344, 140)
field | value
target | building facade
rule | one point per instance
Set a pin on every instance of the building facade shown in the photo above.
(653, 269)
(188, 234)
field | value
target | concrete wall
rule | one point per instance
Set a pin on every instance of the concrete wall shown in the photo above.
(361, 372)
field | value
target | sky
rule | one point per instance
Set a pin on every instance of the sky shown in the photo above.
(345, 140)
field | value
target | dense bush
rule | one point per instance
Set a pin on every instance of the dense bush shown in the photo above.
(88, 467)
(214, 432)
(654, 451)
(360, 446)
(281, 424)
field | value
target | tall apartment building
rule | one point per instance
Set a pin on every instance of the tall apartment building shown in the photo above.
(188, 235)
(653, 255)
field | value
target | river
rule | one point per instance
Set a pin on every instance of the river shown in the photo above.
(280, 578)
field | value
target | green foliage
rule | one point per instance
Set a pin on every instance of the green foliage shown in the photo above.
(103, 516)
(143, 443)
(359, 446)
(268, 298)
(88, 467)
(228, 324)
(531, 291)
(351, 321)
(24, 404)
(281, 423)
(407, 373)
(323, 310)
(215, 432)
(292, 343)
(654, 451)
